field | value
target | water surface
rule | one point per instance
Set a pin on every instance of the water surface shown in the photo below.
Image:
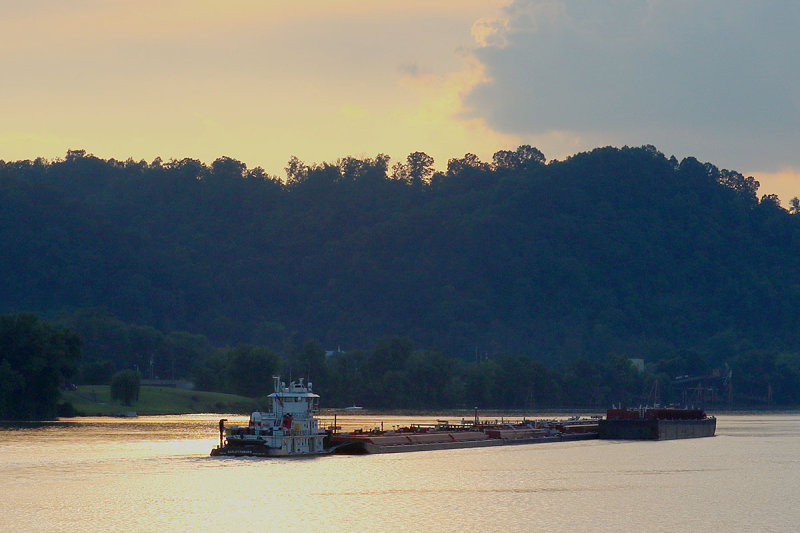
(155, 474)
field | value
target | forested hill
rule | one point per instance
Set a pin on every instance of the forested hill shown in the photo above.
(613, 251)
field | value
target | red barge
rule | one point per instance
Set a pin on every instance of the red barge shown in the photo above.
(656, 424)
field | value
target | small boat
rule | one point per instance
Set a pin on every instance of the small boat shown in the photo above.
(288, 428)
(354, 408)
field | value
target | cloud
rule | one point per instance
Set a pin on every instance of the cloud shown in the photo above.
(490, 32)
(713, 78)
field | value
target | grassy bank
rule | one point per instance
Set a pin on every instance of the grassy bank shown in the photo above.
(95, 400)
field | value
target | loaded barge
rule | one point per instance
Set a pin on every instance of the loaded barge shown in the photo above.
(444, 436)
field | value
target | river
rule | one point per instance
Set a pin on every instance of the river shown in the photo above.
(155, 474)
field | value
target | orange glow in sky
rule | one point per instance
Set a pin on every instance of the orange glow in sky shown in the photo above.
(257, 81)
(261, 81)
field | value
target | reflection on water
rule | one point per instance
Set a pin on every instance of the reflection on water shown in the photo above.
(155, 474)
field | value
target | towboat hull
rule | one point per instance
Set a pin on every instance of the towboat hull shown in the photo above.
(261, 451)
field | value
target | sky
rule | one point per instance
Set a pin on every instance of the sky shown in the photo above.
(264, 80)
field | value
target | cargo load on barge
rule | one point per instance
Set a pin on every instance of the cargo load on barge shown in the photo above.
(444, 436)
(646, 423)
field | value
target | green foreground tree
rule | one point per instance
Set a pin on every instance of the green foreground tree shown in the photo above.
(35, 360)
(125, 386)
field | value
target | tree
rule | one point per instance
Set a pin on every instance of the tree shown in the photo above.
(187, 168)
(35, 360)
(771, 200)
(296, 171)
(125, 386)
(312, 360)
(97, 372)
(523, 383)
(468, 162)
(787, 368)
(529, 156)
(746, 187)
(389, 354)
(585, 385)
(345, 383)
(416, 171)
(525, 156)
(211, 373)
(354, 169)
(12, 386)
(228, 168)
(428, 373)
(250, 370)
(505, 160)
(481, 383)
(794, 206)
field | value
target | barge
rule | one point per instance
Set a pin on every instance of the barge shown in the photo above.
(656, 424)
(446, 436)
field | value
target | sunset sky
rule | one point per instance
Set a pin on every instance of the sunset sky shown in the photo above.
(262, 80)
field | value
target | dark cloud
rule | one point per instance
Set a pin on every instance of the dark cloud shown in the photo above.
(706, 76)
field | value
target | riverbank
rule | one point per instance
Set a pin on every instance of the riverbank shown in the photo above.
(95, 400)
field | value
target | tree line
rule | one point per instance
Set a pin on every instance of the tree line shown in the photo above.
(615, 251)
(395, 374)
(40, 359)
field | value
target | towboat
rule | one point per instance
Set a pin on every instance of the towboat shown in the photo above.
(288, 428)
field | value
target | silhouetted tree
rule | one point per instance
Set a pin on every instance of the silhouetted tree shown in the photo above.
(250, 370)
(468, 162)
(125, 386)
(417, 169)
(35, 360)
